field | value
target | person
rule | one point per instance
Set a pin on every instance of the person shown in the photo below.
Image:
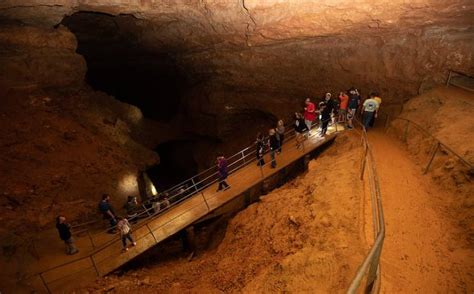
(274, 145)
(343, 104)
(280, 133)
(131, 206)
(260, 145)
(300, 129)
(223, 173)
(326, 108)
(376, 97)
(108, 212)
(125, 231)
(309, 114)
(165, 202)
(64, 230)
(354, 101)
(370, 108)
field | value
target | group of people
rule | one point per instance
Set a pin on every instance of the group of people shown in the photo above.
(329, 110)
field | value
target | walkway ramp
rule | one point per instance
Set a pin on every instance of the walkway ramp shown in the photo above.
(68, 272)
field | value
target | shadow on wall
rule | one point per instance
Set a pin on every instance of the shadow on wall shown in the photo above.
(120, 66)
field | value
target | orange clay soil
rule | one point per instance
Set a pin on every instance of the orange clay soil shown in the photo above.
(306, 236)
(311, 234)
(425, 249)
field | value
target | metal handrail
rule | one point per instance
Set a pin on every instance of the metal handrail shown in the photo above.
(370, 267)
(450, 75)
(150, 217)
(438, 142)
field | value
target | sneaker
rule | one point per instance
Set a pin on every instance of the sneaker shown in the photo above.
(227, 188)
(124, 249)
(134, 244)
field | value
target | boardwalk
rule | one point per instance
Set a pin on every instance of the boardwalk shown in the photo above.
(59, 272)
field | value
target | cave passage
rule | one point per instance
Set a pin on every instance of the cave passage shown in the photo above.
(118, 65)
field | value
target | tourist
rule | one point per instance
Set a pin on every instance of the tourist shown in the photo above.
(280, 133)
(326, 108)
(131, 207)
(369, 108)
(354, 101)
(165, 203)
(343, 103)
(376, 97)
(223, 173)
(108, 212)
(300, 129)
(260, 144)
(64, 230)
(309, 114)
(274, 145)
(125, 231)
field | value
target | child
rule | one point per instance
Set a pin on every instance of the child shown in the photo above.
(125, 231)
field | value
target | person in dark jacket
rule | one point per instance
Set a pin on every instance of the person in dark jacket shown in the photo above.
(64, 230)
(223, 173)
(326, 109)
(300, 128)
(274, 145)
(108, 212)
(260, 144)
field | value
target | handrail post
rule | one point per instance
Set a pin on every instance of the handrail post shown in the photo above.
(90, 238)
(243, 156)
(449, 78)
(44, 283)
(405, 134)
(364, 159)
(435, 150)
(95, 266)
(205, 201)
(194, 184)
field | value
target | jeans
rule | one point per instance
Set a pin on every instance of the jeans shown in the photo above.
(308, 124)
(272, 156)
(124, 239)
(324, 126)
(366, 118)
(70, 246)
(222, 183)
(280, 142)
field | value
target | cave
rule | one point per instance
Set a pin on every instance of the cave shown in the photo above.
(131, 98)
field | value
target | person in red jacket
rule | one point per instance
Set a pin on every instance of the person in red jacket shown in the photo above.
(343, 103)
(309, 114)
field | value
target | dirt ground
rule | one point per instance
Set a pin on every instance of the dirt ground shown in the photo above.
(425, 250)
(306, 236)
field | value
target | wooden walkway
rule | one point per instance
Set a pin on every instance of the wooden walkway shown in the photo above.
(62, 273)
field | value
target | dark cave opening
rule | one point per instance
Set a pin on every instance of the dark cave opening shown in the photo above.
(119, 65)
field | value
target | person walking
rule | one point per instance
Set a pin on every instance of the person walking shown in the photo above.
(377, 98)
(370, 108)
(343, 104)
(108, 212)
(260, 144)
(274, 145)
(300, 129)
(280, 133)
(125, 231)
(223, 173)
(64, 230)
(326, 108)
(309, 114)
(354, 101)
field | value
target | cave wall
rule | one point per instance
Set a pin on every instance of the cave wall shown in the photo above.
(245, 64)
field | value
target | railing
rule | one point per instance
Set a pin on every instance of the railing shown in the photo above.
(370, 267)
(437, 145)
(196, 188)
(454, 73)
(187, 188)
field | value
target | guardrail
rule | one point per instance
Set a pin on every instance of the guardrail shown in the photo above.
(370, 267)
(453, 73)
(188, 188)
(98, 249)
(437, 145)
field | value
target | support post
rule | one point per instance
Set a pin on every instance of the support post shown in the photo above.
(243, 156)
(90, 238)
(95, 266)
(205, 201)
(431, 158)
(405, 134)
(151, 232)
(194, 184)
(44, 283)
(449, 78)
